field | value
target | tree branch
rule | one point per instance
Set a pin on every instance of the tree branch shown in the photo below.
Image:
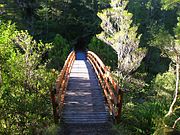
(176, 90)
(178, 119)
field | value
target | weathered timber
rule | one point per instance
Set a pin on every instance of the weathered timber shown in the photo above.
(84, 101)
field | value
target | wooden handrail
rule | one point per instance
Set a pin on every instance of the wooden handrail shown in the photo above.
(62, 82)
(112, 92)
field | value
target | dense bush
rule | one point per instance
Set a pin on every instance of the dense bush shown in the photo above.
(164, 86)
(143, 118)
(25, 105)
(144, 108)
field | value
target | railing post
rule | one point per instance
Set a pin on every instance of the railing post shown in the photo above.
(119, 105)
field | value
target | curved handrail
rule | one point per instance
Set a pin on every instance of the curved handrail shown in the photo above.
(62, 82)
(112, 92)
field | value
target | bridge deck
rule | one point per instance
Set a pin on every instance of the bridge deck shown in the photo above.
(84, 101)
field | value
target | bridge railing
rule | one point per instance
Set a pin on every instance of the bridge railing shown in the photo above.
(61, 85)
(112, 92)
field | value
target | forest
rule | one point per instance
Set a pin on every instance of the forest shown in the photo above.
(138, 39)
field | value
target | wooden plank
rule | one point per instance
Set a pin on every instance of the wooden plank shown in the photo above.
(84, 94)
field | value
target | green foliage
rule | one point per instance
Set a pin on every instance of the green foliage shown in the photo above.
(161, 37)
(142, 114)
(24, 94)
(4, 39)
(46, 18)
(146, 115)
(52, 130)
(147, 14)
(122, 36)
(170, 4)
(177, 33)
(105, 52)
(59, 52)
(164, 85)
(168, 44)
(145, 107)
(155, 63)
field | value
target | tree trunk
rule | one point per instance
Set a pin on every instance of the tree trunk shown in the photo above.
(176, 122)
(176, 90)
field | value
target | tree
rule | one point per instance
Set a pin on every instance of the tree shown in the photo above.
(173, 51)
(122, 36)
(170, 47)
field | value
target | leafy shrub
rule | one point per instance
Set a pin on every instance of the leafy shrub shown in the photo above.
(145, 108)
(143, 118)
(164, 86)
(25, 105)
(52, 130)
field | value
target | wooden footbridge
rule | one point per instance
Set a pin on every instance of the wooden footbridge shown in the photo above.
(86, 95)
